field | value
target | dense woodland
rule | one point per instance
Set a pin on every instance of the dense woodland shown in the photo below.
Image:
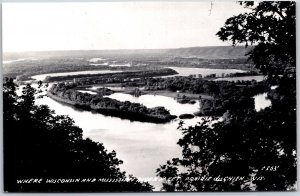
(226, 95)
(105, 105)
(113, 77)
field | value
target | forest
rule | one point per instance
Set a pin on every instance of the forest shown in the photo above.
(105, 105)
(113, 77)
(226, 94)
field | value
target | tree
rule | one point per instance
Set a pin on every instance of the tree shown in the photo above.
(271, 27)
(41, 145)
(258, 148)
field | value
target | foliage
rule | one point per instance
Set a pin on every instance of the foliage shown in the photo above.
(254, 148)
(201, 86)
(41, 145)
(114, 77)
(257, 148)
(271, 26)
(226, 94)
(105, 105)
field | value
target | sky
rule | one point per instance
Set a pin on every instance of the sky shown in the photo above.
(113, 25)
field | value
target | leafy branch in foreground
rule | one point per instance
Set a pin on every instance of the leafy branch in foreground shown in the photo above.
(271, 27)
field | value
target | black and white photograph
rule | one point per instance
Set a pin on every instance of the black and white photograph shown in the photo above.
(149, 96)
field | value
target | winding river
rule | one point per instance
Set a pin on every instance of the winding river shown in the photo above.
(142, 146)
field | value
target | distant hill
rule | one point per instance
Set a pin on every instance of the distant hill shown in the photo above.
(209, 52)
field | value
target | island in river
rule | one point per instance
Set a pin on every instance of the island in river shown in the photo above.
(133, 111)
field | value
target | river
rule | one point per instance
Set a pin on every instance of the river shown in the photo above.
(261, 101)
(241, 78)
(43, 76)
(187, 71)
(17, 60)
(150, 101)
(142, 146)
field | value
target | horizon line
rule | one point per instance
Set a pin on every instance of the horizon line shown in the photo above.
(124, 49)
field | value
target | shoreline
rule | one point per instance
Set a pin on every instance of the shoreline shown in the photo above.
(133, 116)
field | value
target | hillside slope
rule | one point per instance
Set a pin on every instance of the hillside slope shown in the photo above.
(212, 52)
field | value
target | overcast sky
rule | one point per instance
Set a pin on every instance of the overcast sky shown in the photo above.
(113, 25)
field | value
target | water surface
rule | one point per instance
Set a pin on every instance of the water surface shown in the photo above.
(43, 76)
(151, 101)
(142, 146)
(96, 59)
(186, 71)
(261, 101)
(242, 78)
(89, 92)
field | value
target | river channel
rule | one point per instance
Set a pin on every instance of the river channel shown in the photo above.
(142, 146)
